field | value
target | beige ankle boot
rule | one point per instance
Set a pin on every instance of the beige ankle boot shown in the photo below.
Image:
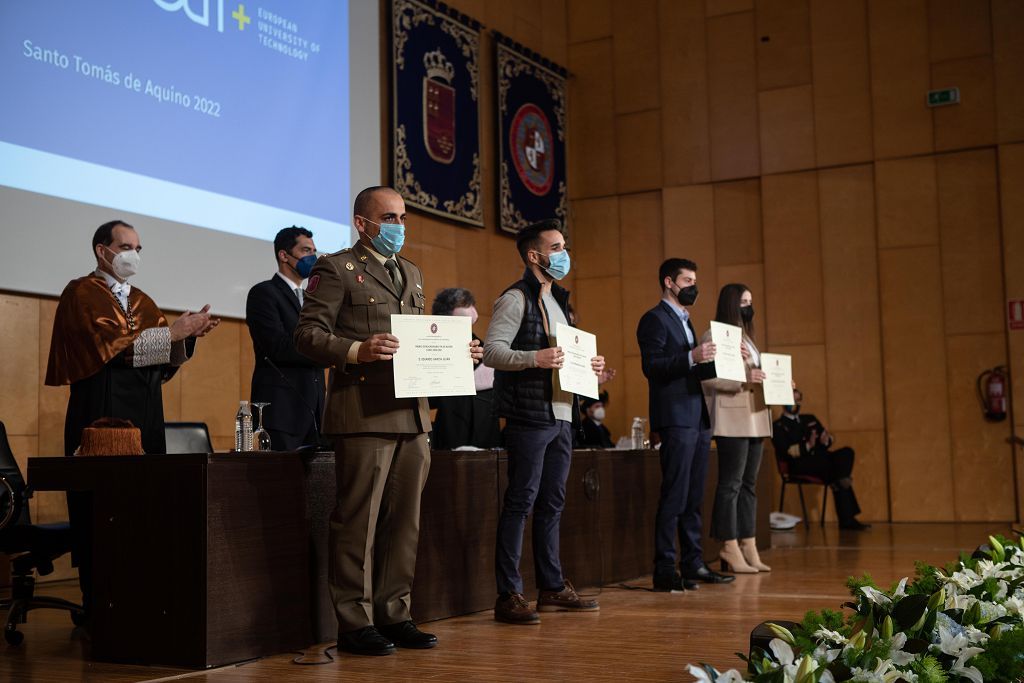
(748, 546)
(732, 559)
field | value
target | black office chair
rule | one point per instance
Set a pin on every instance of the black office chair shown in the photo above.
(187, 437)
(800, 479)
(31, 547)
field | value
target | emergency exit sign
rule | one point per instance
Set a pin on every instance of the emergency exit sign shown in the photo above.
(940, 98)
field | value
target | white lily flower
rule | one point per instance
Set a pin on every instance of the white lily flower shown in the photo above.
(956, 601)
(970, 672)
(975, 635)
(965, 580)
(876, 596)
(830, 636)
(896, 653)
(956, 644)
(822, 653)
(901, 589)
(730, 676)
(1014, 605)
(883, 673)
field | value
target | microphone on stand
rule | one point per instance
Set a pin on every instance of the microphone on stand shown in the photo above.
(302, 400)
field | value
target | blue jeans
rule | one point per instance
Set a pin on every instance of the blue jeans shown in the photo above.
(538, 466)
(684, 467)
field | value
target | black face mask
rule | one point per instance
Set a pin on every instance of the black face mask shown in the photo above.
(747, 313)
(793, 410)
(687, 295)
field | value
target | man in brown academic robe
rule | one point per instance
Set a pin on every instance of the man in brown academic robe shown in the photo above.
(114, 347)
(381, 451)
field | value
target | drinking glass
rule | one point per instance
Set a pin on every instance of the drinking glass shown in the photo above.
(260, 437)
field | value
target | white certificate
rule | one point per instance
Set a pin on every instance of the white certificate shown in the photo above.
(778, 385)
(576, 374)
(433, 356)
(728, 340)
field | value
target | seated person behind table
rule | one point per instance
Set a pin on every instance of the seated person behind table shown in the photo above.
(595, 433)
(464, 420)
(804, 443)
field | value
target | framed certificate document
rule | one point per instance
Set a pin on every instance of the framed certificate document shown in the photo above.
(728, 340)
(778, 385)
(433, 356)
(579, 347)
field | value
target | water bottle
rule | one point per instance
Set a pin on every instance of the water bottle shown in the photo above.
(243, 427)
(637, 433)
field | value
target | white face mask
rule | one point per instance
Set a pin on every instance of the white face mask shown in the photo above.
(125, 264)
(598, 415)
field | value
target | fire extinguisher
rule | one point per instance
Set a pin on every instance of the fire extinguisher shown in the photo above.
(992, 392)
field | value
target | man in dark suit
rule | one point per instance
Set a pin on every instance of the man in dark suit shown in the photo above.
(670, 353)
(291, 383)
(805, 446)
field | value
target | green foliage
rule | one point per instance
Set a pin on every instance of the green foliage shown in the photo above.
(855, 583)
(928, 670)
(1003, 658)
(827, 618)
(926, 579)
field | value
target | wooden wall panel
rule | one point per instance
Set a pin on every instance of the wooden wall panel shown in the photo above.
(640, 248)
(631, 385)
(787, 129)
(870, 471)
(210, 381)
(689, 220)
(738, 233)
(783, 43)
(1008, 56)
(842, 82)
(600, 311)
(595, 227)
(589, 19)
(684, 92)
(635, 49)
(907, 196)
(715, 8)
(246, 362)
(850, 293)
(751, 275)
(972, 123)
(898, 32)
(474, 265)
(958, 29)
(971, 254)
(983, 485)
(554, 30)
(53, 401)
(19, 375)
(591, 120)
(792, 255)
(732, 97)
(638, 137)
(1011, 179)
(917, 410)
(810, 372)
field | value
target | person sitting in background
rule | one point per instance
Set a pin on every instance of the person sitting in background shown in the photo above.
(804, 443)
(595, 433)
(465, 420)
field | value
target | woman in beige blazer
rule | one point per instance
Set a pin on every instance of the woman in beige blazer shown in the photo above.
(739, 421)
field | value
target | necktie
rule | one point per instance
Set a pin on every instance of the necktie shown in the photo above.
(298, 295)
(396, 274)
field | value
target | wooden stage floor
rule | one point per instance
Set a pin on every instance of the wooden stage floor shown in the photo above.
(637, 635)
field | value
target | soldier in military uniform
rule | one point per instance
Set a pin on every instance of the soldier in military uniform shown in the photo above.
(382, 455)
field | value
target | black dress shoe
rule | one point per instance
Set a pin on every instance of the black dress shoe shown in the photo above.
(706, 575)
(365, 641)
(405, 634)
(854, 525)
(666, 583)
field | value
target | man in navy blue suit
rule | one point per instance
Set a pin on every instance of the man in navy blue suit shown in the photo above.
(291, 383)
(670, 355)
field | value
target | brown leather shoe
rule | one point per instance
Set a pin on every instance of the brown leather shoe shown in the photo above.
(565, 600)
(515, 610)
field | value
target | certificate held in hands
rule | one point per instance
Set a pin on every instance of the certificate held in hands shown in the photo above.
(728, 340)
(433, 357)
(577, 375)
(778, 385)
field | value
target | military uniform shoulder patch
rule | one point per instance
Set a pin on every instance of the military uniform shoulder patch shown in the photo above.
(312, 284)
